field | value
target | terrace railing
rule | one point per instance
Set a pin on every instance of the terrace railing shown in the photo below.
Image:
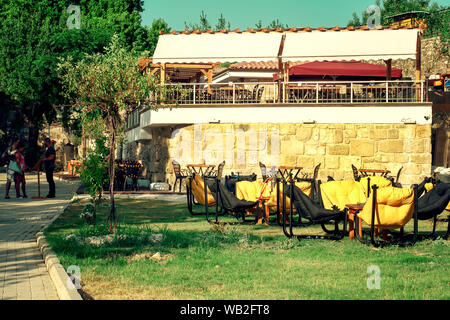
(401, 91)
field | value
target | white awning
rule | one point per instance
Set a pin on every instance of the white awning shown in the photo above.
(351, 45)
(211, 48)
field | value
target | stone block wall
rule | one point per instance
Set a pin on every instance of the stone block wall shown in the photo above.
(335, 146)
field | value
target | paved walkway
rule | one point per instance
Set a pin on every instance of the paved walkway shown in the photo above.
(23, 275)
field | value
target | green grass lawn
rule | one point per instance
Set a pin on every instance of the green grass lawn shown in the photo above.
(200, 261)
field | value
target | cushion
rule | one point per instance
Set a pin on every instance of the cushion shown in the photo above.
(199, 192)
(341, 193)
(394, 208)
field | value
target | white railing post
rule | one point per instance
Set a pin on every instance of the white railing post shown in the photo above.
(194, 94)
(387, 91)
(421, 90)
(317, 92)
(234, 93)
(351, 92)
(284, 92)
(274, 91)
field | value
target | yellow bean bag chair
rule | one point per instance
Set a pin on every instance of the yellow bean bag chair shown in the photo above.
(198, 190)
(430, 186)
(251, 191)
(381, 182)
(341, 193)
(394, 208)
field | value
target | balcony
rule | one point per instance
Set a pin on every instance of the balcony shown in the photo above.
(336, 92)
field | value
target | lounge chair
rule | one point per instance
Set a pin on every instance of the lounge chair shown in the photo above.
(226, 202)
(433, 203)
(198, 194)
(387, 209)
(312, 212)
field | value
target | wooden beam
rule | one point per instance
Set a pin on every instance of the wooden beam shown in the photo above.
(280, 66)
(163, 74)
(388, 69)
(189, 66)
(418, 64)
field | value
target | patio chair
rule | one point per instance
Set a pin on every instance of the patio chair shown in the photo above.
(232, 179)
(198, 194)
(263, 168)
(218, 173)
(132, 171)
(356, 175)
(180, 174)
(255, 93)
(433, 203)
(259, 94)
(389, 208)
(226, 203)
(313, 180)
(395, 180)
(312, 212)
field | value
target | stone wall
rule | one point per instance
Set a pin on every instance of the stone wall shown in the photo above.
(61, 137)
(335, 146)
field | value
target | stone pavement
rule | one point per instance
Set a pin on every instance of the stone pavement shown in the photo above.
(23, 275)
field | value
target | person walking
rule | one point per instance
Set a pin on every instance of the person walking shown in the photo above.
(49, 165)
(20, 176)
(10, 174)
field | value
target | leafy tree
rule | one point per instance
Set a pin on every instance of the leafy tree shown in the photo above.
(33, 35)
(94, 171)
(153, 33)
(107, 86)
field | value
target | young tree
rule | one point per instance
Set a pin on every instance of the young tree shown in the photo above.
(222, 23)
(108, 86)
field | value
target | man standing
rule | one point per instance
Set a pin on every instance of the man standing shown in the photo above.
(49, 165)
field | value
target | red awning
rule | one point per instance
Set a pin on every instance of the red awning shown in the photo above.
(341, 68)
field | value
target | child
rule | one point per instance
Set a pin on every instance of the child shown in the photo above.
(10, 173)
(20, 177)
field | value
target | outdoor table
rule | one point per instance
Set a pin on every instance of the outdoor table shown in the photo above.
(355, 208)
(286, 171)
(352, 209)
(201, 169)
(365, 172)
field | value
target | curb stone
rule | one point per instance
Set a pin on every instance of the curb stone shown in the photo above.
(57, 273)
(59, 276)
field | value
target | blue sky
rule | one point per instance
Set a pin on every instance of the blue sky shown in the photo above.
(245, 13)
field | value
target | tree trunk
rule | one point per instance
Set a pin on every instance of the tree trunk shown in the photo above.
(112, 219)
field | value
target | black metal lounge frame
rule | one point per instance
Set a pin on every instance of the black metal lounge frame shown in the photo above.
(432, 204)
(227, 202)
(312, 211)
(191, 199)
(400, 239)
